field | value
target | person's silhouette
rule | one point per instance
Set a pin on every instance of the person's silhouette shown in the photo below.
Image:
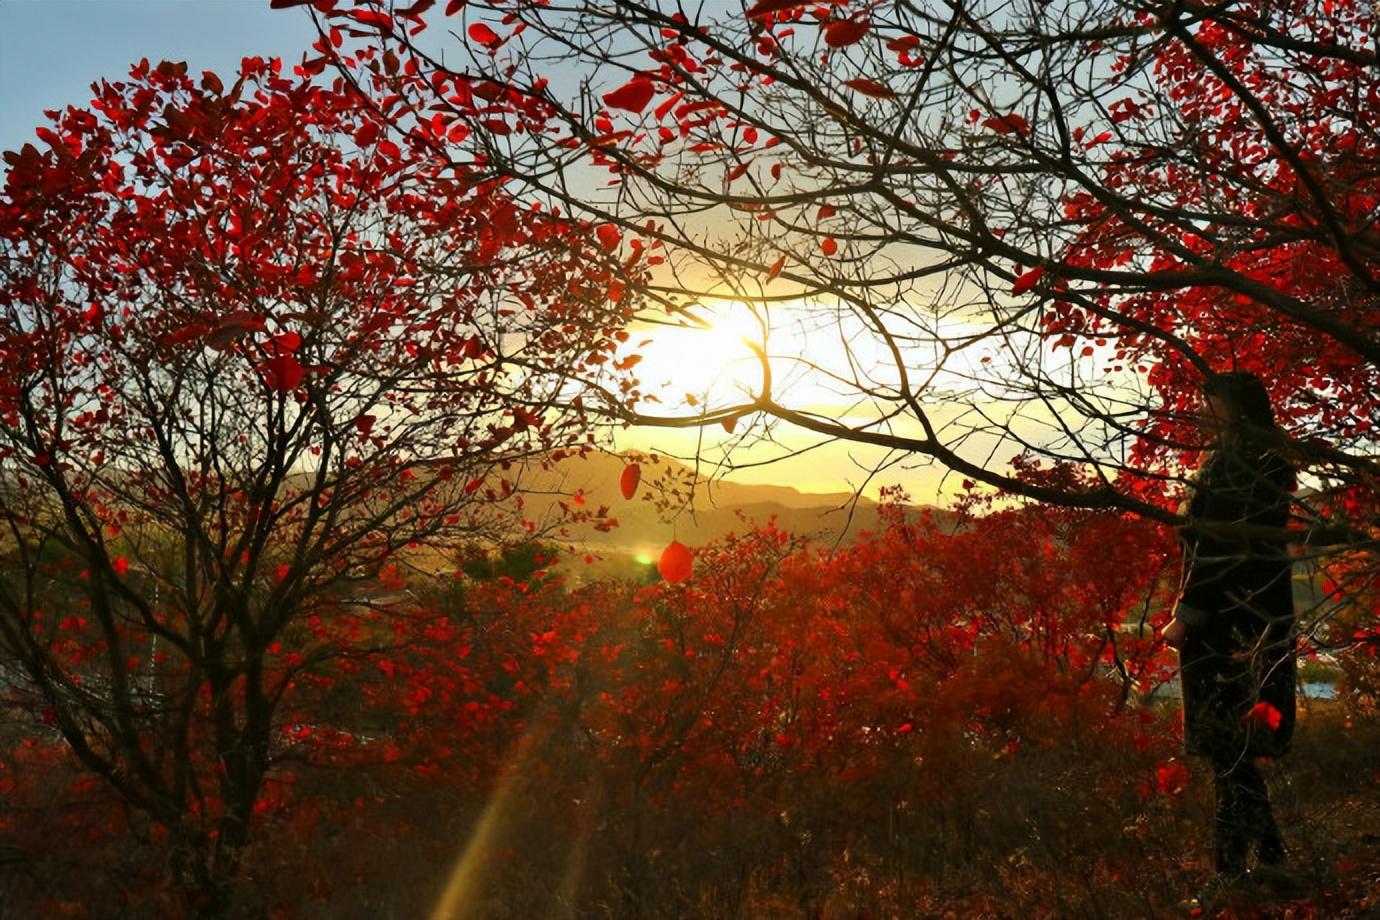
(1235, 626)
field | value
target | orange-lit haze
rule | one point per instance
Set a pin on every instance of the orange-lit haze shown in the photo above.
(691, 368)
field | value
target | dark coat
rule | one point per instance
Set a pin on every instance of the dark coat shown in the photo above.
(1238, 609)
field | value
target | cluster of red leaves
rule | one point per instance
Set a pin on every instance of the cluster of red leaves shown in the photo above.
(1302, 184)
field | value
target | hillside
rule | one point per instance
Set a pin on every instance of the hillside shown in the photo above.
(692, 510)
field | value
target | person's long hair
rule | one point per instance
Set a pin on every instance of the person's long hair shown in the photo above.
(1251, 428)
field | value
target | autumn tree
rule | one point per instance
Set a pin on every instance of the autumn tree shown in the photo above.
(1033, 227)
(1010, 239)
(260, 357)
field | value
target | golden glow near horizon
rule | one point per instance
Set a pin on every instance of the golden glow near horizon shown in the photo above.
(813, 354)
(823, 362)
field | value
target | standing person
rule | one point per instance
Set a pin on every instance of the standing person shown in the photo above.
(1234, 626)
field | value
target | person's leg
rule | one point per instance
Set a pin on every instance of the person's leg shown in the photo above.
(1232, 831)
(1261, 819)
(1243, 816)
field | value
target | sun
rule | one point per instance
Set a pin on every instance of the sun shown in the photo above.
(708, 360)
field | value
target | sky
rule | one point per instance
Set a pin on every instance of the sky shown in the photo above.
(52, 50)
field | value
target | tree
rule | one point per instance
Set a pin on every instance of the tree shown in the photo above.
(1014, 237)
(1032, 227)
(260, 359)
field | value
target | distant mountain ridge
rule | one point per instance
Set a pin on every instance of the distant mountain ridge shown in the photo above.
(698, 510)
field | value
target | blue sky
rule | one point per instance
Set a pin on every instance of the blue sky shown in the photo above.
(52, 50)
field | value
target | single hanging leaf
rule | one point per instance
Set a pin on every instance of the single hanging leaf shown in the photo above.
(632, 96)
(676, 562)
(1013, 123)
(282, 373)
(870, 88)
(843, 32)
(776, 268)
(829, 245)
(482, 34)
(627, 483)
(1026, 281)
(375, 18)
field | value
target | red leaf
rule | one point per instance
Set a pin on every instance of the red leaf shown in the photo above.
(843, 32)
(870, 88)
(365, 424)
(367, 134)
(828, 245)
(373, 18)
(764, 8)
(627, 483)
(455, 6)
(632, 96)
(776, 268)
(1265, 714)
(609, 236)
(904, 43)
(1027, 280)
(282, 373)
(1013, 123)
(287, 341)
(482, 34)
(668, 104)
(119, 565)
(676, 562)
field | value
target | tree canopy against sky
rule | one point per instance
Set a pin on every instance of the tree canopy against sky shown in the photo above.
(964, 231)
(258, 356)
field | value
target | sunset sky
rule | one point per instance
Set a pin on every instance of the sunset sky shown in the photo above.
(52, 50)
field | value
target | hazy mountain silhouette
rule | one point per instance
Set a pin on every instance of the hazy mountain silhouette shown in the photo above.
(693, 511)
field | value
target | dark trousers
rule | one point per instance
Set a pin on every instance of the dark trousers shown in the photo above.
(1243, 816)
